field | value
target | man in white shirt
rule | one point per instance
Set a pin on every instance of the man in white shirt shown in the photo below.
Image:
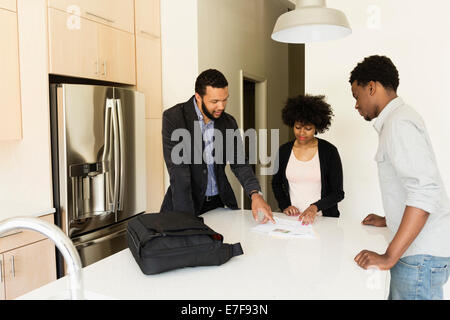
(416, 205)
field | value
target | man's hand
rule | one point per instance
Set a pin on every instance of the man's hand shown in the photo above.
(412, 223)
(258, 204)
(308, 215)
(291, 211)
(366, 259)
(374, 220)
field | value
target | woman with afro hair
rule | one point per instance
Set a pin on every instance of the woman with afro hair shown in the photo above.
(309, 181)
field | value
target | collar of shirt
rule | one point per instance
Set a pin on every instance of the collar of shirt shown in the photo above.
(390, 107)
(200, 115)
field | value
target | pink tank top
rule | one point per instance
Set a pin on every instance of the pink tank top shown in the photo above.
(305, 184)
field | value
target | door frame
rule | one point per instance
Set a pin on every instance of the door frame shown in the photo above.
(260, 118)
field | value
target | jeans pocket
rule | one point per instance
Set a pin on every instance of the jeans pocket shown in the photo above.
(439, 276)
(409, 263)
(405, 279)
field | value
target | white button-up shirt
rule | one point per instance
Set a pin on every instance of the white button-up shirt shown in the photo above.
(409, 176)
(208, 138)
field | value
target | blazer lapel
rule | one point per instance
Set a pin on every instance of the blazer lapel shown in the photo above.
(193, 126)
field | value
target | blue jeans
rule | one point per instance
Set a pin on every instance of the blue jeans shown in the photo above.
(419, 277)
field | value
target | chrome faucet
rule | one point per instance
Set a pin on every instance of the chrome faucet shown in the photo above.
(62, 242)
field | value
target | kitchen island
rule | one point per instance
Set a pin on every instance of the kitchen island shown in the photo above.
(270, 268)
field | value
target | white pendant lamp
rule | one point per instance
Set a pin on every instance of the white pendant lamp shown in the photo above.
(311, 21)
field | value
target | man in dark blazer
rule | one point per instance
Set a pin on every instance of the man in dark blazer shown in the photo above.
(197, 145)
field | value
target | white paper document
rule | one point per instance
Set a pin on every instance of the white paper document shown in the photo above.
(286, 229)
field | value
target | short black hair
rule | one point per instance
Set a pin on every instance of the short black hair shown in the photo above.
(308, 109)
(210, 77)
(376, 68)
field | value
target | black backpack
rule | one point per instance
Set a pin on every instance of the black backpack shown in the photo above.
(170, 240)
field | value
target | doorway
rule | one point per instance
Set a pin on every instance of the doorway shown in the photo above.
(249, 123)
(253, 116)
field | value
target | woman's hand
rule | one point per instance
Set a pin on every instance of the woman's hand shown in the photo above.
(291, 211)
(308, 215)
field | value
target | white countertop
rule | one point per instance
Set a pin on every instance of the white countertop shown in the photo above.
(270, 268)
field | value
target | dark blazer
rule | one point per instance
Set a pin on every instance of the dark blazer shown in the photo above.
(331, 177)
(189, 179)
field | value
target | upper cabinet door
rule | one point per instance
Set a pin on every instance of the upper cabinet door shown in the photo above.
(10, 103)
(73, 45)
(114, 13)
(149, 73)
(117, 56)
(148, 17)
(8, 5)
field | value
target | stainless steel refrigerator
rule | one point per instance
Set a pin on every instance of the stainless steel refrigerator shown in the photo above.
(99, 165)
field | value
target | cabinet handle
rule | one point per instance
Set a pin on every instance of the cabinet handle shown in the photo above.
(1, 270)
(100, 17)
(96, 68)
(148, 34)
(13, 271)
(105, 68)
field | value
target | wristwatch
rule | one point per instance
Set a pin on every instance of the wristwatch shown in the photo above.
(255, 191)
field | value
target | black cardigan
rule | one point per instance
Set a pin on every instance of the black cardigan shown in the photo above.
(331, 177)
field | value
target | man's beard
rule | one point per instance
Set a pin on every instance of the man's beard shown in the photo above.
(208, 114)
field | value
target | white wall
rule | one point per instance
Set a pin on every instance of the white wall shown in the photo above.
(413, 34)
(228, 35)
(234, 35)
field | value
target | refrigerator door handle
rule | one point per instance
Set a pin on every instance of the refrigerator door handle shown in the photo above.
(122, 153)
(107, 148)
(106, 154)
(116, 160)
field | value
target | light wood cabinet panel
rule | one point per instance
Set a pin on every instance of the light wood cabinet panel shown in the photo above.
(82, 48)
(2, 278)
(114, 13)
(28, 268)
(117, 55)
(155, 165)
(148, 20)
(10, 105)
(19, 238)
(73, 45)
(9, 5)
(149, 74)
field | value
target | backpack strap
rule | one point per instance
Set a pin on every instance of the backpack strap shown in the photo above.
(236, 250)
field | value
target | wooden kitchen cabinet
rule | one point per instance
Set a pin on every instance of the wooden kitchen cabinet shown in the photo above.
(149, 74)
(2, 278)
(8, 5)
(118, 14)
(73, 45)
(28, 268)
(117, 55)
(148, 21)
(155, 165)
(27, 262)
(82, 48)
(10, 105)
(149, 82)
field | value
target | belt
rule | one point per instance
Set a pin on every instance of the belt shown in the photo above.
(211, 198)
